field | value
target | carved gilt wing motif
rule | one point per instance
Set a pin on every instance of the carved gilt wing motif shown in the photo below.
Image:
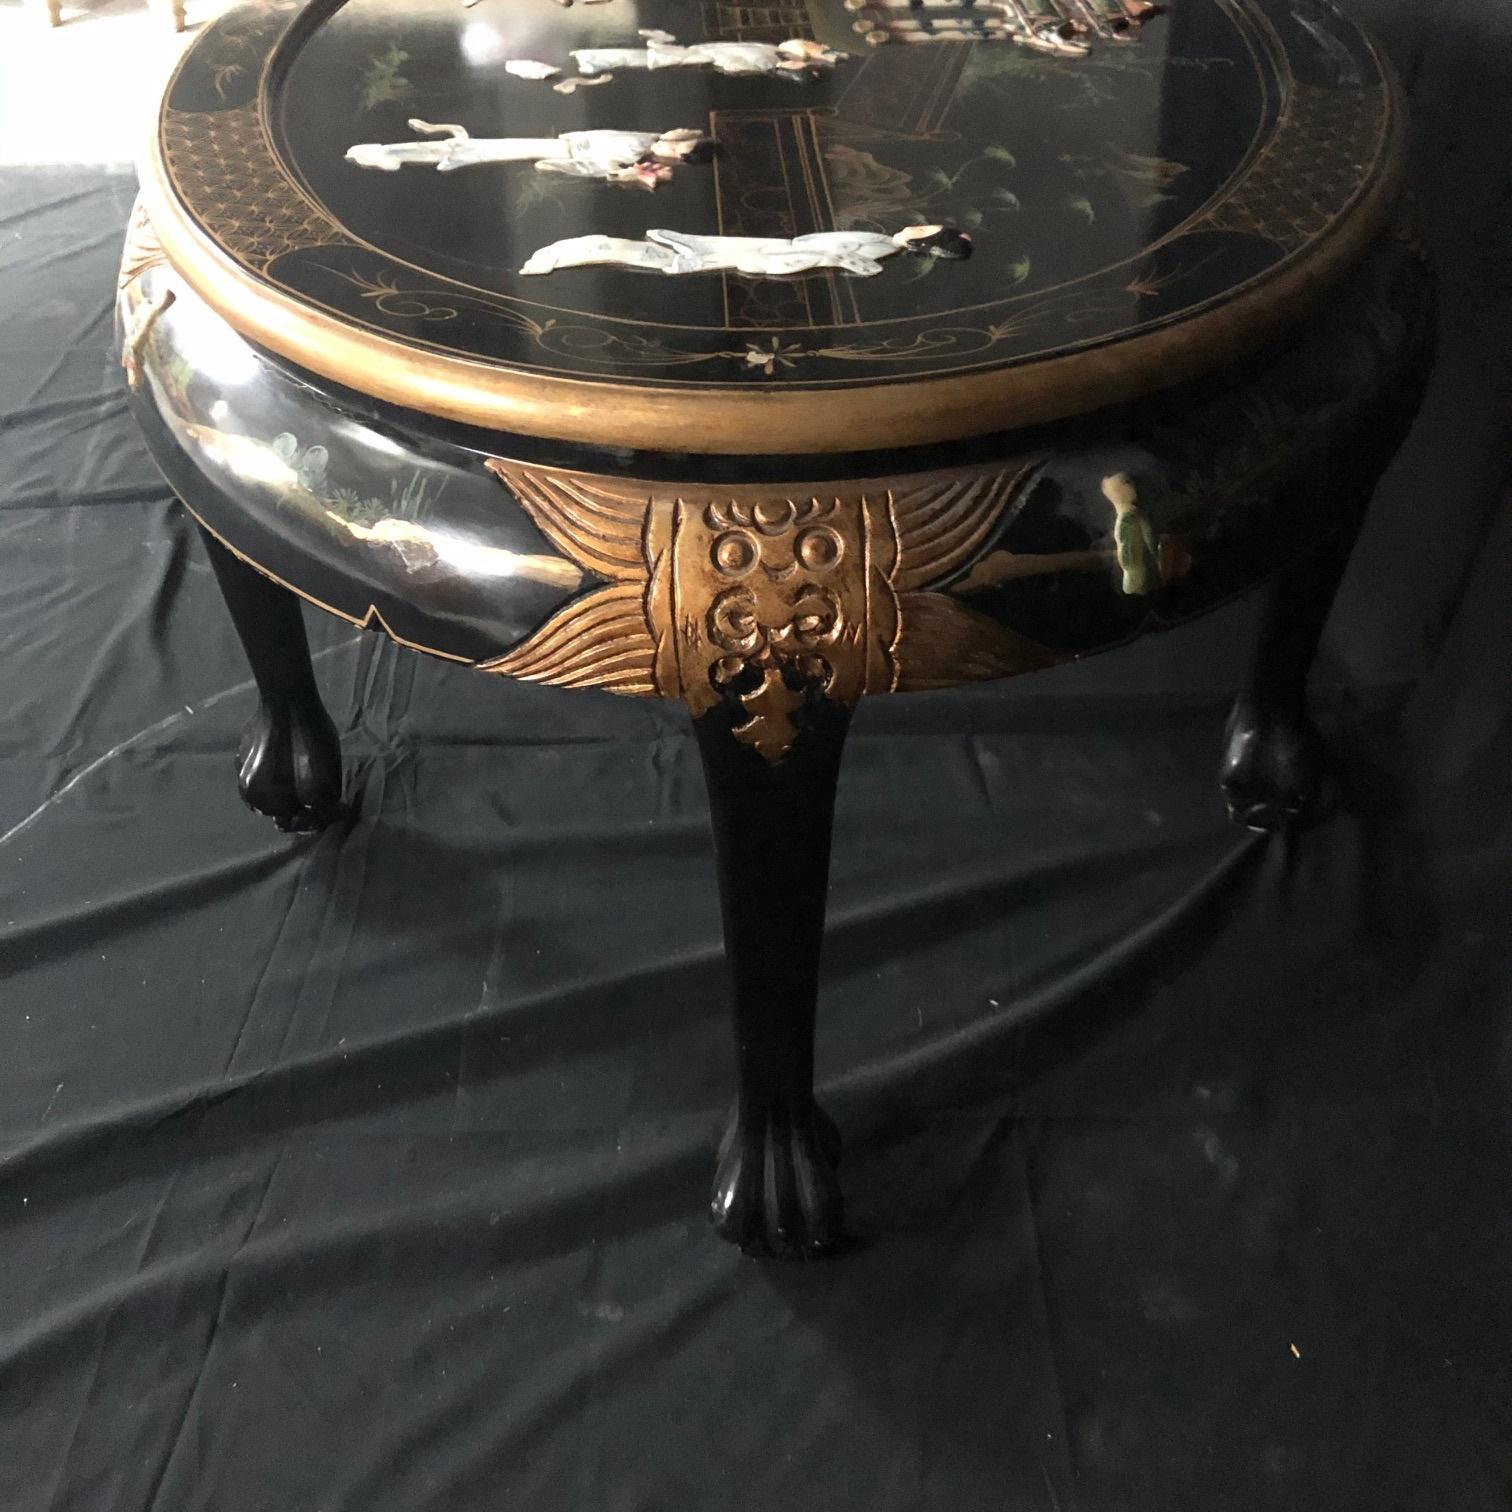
(941, 522)
(604, 639)
(142, 249)
(759, 596)
(943, 643)
(598, 641)
(599, 523)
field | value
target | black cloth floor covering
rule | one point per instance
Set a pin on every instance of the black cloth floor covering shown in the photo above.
(366, 1171)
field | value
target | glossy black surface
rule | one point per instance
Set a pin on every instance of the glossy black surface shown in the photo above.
(369, 517)
(288, 765)
(775, 1189)
(390, 519)
(1276, 771)
(1106, 195)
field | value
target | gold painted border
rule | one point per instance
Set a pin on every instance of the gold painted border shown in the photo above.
(882, 416)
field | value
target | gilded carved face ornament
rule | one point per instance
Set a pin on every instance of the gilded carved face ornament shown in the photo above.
(761, 598)
(779, 608)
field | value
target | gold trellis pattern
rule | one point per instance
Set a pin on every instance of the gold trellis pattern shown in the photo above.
(1304, 177)
(224, 166)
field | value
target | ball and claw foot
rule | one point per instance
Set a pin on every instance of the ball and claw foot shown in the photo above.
(1275, 766)
(775, 1191)
(288, 767)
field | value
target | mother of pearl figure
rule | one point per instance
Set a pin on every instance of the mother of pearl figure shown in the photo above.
(858, 252)
(617, 157)
(797, 57)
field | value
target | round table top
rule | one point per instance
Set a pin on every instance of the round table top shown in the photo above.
(1144, 203)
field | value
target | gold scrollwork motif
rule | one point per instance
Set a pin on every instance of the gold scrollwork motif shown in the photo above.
(764, 595)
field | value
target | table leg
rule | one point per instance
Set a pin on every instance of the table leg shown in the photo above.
(1274, 760)
(775, 1189)
(289, 760)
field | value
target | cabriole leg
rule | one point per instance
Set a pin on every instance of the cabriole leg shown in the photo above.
(1274, 759)
(289, 760)
(775, 1190)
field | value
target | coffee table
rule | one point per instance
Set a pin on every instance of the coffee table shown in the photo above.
(704, 456)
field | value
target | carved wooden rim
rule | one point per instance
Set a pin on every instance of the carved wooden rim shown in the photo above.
(763, 422)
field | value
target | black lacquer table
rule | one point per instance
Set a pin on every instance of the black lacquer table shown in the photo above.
(767, 482)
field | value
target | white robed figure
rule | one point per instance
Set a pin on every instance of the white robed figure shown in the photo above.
(797, 57)
(647, 158)
(857, 252)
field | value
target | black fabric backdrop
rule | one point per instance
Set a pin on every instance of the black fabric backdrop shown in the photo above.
(366, 1171)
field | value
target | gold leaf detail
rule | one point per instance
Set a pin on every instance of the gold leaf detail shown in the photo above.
(142, 250)
(223, 164)
(1304, 176)
(943, 643)
(601, 641)
(770, 729)
(759, 596)
(599, 523)
(940, 524)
